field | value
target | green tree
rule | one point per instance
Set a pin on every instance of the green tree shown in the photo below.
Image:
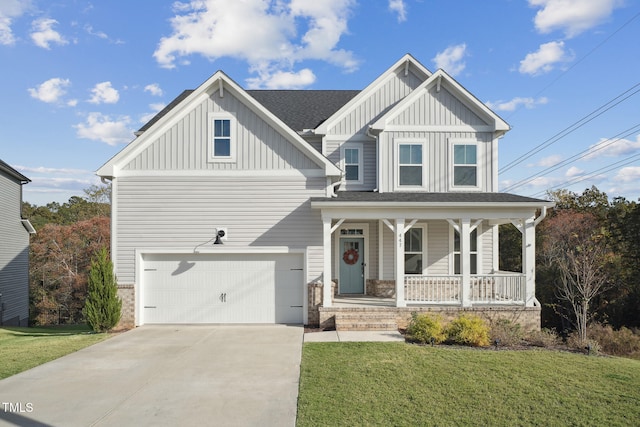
(103, 307)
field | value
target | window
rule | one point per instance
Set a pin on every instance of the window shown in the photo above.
(410, 164)
(465, 165)
(474, 252)
(413, 251)
(221, 137)
(352, 157)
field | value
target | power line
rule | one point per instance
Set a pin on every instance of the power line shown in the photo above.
(603, 169)
(602, 145)
(573, 127)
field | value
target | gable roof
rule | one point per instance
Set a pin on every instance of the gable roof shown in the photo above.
(462, 94)
(405, 63)
(181, 106)
(4, 167)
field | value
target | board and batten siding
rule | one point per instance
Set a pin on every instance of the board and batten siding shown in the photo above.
(14, 255)
(437, 109)
(182, 212)
(186, 145)
(437, 162)
(333, 153)
(396, 87)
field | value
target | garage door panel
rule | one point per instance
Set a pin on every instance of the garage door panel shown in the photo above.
(223, 288)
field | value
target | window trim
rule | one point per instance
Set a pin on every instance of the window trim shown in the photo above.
(212, 117)
(397, 165)
(423, 252)
(452, 144)
(353, 146)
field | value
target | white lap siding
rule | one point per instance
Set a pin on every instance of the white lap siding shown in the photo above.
(175, 212)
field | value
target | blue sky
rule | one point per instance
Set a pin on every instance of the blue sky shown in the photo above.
(79, 77)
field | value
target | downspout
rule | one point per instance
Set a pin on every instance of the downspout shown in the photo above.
(375, 137)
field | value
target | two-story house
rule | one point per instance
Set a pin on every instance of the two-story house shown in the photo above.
(319, 207)
(14, 249)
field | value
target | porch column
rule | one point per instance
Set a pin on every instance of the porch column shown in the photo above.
(399, 235)
(326, 267)
(465, 260)
(529, 260)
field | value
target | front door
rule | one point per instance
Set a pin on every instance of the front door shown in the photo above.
(352, 265)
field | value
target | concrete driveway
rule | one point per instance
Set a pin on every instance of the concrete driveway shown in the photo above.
(165, 376)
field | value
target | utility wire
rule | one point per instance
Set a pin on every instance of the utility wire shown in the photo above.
(604, 169)
(573, 127)
(590, 151)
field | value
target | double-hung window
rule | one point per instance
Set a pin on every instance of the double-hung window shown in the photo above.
(413, 244)
(221, 137)
(410, 164)
(465, 165)
(457, 266)
(352, 158)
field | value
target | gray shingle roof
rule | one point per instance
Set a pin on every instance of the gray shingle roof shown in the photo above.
(298, 109)
(303, 109)
(414, 197)
(4, 167)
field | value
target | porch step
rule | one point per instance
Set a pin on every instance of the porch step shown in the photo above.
(365, 321)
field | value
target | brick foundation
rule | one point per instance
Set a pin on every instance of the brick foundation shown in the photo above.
(381, 288)
(128, 297)
(314, 301)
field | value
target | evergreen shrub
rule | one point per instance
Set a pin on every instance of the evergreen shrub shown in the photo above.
(103, 307)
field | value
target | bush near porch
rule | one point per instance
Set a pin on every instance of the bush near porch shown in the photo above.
(346, 384)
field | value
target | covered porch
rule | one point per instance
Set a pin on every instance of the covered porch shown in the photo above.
(450, 259)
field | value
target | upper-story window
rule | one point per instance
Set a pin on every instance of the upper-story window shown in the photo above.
(465, 165)
(410, 164)
(352, 158)
(221, 137)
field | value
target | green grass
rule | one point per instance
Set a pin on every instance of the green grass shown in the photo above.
(25, 348)
(399, 384)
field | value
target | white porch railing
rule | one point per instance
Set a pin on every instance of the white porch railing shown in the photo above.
(500, 288)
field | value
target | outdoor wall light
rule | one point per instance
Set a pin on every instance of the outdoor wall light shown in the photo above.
(221, 235)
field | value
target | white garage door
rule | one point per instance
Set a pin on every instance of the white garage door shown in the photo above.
(222, 288)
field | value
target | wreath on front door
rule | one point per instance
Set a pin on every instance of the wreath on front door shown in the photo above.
(350, 257)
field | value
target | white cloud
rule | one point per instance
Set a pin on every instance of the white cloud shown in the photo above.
(100, 34)
(104, 93)
(628, 174)
(271, 35)
(572, 16)
(50, 91)
(100, 127)
(282, 80)
(154, 89)
(547, 161)
(613, 148)
(513, 104)
(398, 6)
(9, 10)
(544, 60)
(43, 33)
(155, 108)
(451, 59)
(573, 172)
(49, 170)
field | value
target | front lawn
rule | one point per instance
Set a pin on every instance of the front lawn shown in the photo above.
(25, 348)
(400, 384)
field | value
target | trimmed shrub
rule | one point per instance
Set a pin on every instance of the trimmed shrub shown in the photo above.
(468, 329)
(543, 338)
(102, 307)
(506, 332)
(424, 326)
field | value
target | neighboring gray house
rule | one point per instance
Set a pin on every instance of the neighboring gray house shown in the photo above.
(392, 192)
(14, 249)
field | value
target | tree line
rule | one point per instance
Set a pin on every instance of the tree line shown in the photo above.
(587, 258)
